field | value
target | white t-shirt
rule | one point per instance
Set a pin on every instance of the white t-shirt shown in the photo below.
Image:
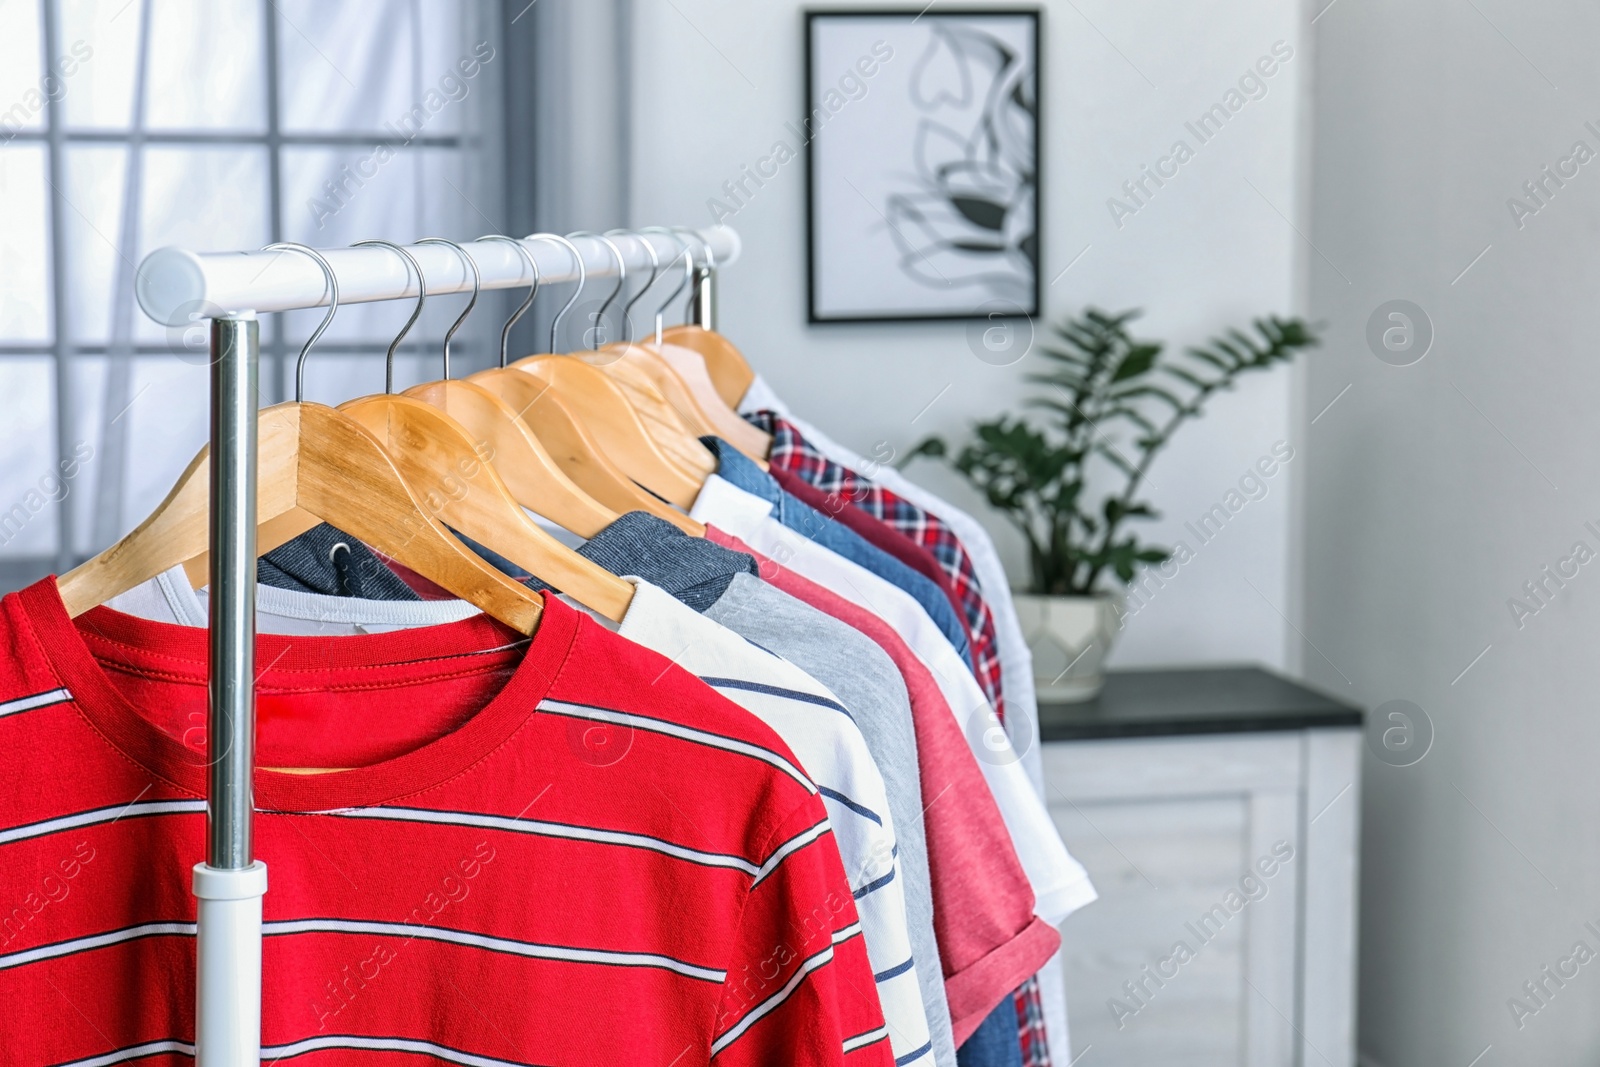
(1060, 884)
(811, 721)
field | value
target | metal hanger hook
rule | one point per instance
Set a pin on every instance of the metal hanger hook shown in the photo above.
(688, 273)
(622, 280)
(577, 258)
(655, 272)
(416, 312)
(333, 308)
(710, 264)
(533, 291)
(477, 284)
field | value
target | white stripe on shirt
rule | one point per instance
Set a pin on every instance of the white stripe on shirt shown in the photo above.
(672, 729)
(37, 700)
(543, 828)
(99, 815)
(94, 941)
(531, 949)
(773, 1002)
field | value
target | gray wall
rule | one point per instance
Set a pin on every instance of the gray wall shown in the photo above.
(1437, 489)
(714, 82)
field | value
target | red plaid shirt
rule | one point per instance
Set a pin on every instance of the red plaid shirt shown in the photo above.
(1030, 1025)
(791, 452)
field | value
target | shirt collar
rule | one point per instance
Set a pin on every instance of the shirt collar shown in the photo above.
(692, 569)
(740, 470)
(726, 506)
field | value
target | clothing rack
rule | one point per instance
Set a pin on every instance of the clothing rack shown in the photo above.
(177, 287)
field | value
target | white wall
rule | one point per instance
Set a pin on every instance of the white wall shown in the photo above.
(1436, 490)
(716, 80)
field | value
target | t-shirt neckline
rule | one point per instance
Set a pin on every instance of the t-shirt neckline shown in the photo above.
(139, 739)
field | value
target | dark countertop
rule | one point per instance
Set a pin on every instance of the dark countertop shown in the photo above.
(1215, 700)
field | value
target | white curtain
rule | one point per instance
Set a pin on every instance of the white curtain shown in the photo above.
(126, 125)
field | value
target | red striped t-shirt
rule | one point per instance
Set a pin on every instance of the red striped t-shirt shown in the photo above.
(563, 851)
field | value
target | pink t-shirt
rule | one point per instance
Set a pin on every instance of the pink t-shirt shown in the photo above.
(989, 939)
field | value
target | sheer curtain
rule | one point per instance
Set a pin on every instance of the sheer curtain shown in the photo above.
(214, 124)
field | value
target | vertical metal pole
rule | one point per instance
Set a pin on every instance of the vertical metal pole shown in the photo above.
(230, 884)
(278, 389)
(66, 427)
(235, 349)
(702, 303)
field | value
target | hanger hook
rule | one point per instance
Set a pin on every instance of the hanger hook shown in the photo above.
(622, 280)
(477, 284)
(333, 308)
(533, 291)
(577, 258)
(416, 312)
(655, 272)
(711, 265)
(688, 272)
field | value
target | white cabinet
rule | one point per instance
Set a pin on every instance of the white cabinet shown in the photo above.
(1226, 864)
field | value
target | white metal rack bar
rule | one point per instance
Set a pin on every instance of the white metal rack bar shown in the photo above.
(177, 287)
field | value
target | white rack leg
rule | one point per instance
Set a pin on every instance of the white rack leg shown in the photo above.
(228, 975)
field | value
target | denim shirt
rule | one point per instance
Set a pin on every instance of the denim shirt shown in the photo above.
(742, 472)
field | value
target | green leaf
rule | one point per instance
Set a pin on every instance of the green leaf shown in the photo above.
(1198, 383)
(1115, 458)
(1215, 360)
(1133, 392)
(1133, 415)
(1138, 360)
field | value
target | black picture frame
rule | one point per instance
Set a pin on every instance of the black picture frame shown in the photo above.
(982, 309)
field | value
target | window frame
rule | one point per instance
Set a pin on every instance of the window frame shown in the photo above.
(57, 137)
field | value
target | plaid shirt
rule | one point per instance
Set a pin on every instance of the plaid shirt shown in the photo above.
(1030, 1025)
(791, 452)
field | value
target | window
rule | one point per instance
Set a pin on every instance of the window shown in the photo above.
(216, 125)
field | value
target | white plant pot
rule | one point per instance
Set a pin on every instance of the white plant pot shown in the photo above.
(1070, 638)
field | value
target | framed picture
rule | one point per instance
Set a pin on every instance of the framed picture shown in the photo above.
(922, 139)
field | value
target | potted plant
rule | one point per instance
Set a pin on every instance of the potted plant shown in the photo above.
(1114, 403)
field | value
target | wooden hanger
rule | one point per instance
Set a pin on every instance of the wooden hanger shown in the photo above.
(528, 469)
(434, 452)
(311, 458)
(652, 455)
(655, 391)
(729, 370)
(270, 534)
(532, 475)
(690, 367)
(635, 367)
(679, 375)
(687, 367)
(461, 483)
(561, 436)
(577, 452)
(676, 428)
(608, 417)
